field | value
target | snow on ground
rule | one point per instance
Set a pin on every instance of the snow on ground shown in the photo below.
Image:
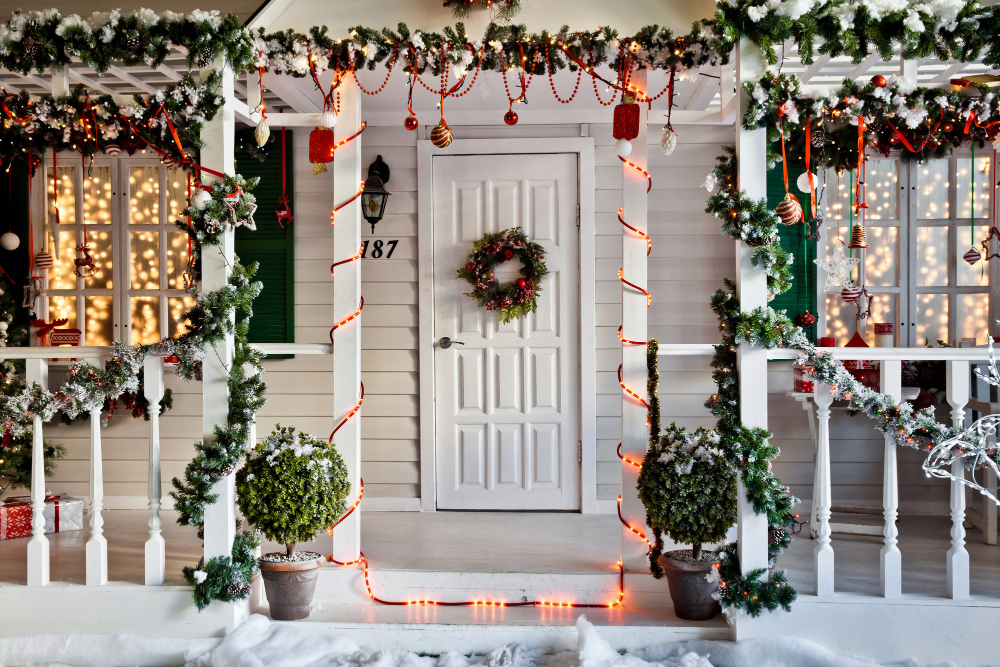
(261, 643)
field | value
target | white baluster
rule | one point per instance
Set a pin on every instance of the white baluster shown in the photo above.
(37, 370)
(97, 545)
(156, 564)
(891, 560)
(958, 556)
(823, 554)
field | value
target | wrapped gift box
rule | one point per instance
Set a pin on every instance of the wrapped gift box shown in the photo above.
(62, 513)
(804, 379)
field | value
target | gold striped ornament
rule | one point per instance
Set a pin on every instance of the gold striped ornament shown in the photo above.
(790, 210)
(441, 135)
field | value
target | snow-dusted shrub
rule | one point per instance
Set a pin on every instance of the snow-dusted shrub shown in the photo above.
(292, 486)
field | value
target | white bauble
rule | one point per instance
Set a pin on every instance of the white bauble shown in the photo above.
(803, 181)
(328, 118)
(668, 141)
(201, 199)
(623, 147)
(262, 133)
(4, 326)
(10, 241)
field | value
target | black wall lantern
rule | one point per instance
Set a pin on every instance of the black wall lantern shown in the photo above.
(375, 196)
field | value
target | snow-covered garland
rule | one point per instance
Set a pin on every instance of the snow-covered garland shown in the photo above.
(227, 205)
(501, 47)
(921, 122)
(744, 219)
(38, 40)
(88, 123)
(948, 29)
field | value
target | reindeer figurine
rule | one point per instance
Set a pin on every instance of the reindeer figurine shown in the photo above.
(85, 267)
(284, 214)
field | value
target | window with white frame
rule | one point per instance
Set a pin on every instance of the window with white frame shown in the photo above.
(922, 218)
(124, 210)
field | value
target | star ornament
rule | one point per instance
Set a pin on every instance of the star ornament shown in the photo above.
(838, 267)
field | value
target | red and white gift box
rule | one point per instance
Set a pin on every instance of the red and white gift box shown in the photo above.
(62, 513)
(804, 379)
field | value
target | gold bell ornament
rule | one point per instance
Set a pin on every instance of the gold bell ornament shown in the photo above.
(858, 238)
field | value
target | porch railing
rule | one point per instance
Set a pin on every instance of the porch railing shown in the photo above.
(37, 364)
(959, 363)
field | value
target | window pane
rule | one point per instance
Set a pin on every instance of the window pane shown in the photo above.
(882, 190)
(145, 256)
(144, 204)
(932, 189)
(178, 306)
(880, 258)
(177, 193)
(973, 316)
(99, 320)
(883, 310)
(97, 196)
(61, 274)
(145, 320)
(932, 256)
(63, 307)
(66, 203)
(932, 319)
(99, 242)
(177, 259)
(838, 197)
(972, 274)
(841, 317)
(964, 187)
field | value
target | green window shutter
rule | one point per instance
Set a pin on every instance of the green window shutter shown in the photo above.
(802, 296)
(273, 247)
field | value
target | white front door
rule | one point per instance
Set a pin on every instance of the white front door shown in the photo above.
(507, 395)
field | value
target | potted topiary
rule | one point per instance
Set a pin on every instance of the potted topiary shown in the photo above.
(291, 487)
(688, 488)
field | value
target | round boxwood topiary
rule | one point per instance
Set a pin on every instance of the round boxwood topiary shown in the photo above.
(687, 483)
(292, 486)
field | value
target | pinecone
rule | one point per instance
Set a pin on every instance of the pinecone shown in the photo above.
(775, 535)
(910, 375)
(237, 590)
(205, 57)
(818, 138)
(226, 471)
(29, 45)
(201, 533)
(133, 44)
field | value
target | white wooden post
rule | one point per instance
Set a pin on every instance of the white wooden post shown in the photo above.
(156, 550)
(751, 282)
(347, 177)
(635, 430)
(37, 370)
(891, 560)
(958, 556)
(97, 545)
(217, 154)
(823, 553)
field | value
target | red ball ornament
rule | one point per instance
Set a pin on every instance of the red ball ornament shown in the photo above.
(807, 318)
(879, 81)
(510, 117)
(894, 140)
(948, 127)
(508, 254)
(521, 283)
(411, 123)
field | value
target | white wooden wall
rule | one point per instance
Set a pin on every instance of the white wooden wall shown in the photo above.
(689, 260)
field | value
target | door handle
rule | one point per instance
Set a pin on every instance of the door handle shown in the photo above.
(446, 342)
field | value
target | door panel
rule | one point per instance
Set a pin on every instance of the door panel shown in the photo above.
(507, 395)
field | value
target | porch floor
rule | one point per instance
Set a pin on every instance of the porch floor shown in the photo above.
(508, 542)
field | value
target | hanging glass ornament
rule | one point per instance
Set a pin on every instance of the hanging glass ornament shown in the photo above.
(320, 148)
(790, 210)
(858, 237)
(668, 140)
(802, 182)
(10, 241)
(850, 293)
(262, 133)
(441, 135)
(972, 256)
(411, 122)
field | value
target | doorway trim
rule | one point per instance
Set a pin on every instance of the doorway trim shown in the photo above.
(583, 147)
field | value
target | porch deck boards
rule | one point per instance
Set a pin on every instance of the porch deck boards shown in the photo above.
(521, 542)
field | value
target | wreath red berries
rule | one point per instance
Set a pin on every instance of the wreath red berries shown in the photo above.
(512, 299)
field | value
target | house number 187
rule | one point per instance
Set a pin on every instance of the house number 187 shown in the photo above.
(378, 248)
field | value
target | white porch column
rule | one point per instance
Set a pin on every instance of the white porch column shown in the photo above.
(751, 284)
(823, 552)
(156, 554)
(217, 154)
(958, 556)
(37, 370)
(635, 431)
(97, 545)
(891, 560)
(347, 177)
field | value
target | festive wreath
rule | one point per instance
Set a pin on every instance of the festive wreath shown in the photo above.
(512, 299)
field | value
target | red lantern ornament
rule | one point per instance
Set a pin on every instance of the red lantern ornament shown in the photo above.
(521, 283)
(320, 148)
(510, 117)
(508, 254)
(411, 122)
(626, 121)
(441, 135)
(879, 81)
